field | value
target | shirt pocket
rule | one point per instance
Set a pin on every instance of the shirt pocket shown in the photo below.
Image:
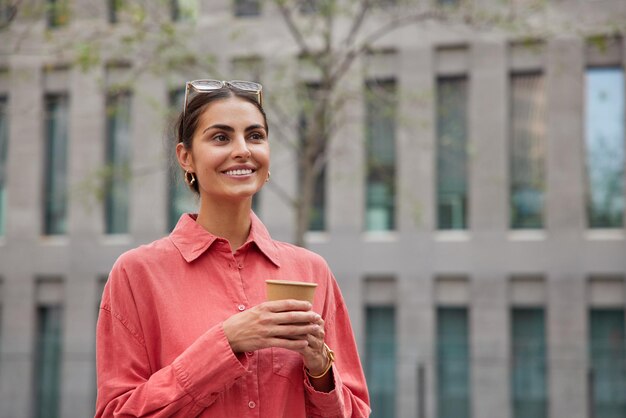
(288, 364)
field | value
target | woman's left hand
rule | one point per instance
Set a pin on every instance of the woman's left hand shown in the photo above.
(315, 359)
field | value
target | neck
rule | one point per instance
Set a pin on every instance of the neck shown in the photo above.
(228, 220)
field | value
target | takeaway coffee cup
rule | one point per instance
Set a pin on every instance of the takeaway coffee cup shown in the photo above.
(285, 289)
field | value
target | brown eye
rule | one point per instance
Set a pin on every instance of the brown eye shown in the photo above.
(256, 136)
(220, 138)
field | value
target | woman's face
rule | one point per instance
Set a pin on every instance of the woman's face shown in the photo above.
(230, 153)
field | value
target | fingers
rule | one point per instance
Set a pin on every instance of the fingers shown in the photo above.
(296, 317)
(287, 305)
(296, 331)
(289, 344)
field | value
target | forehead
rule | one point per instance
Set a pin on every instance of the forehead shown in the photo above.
(231, 111)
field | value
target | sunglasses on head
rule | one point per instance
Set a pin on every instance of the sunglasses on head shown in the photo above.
(208, 86)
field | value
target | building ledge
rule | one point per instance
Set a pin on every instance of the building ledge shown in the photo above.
(605, 234)
(116, 239)
(453, 236)
(316, 237)
(527, 235)
(380, 236)
(54, 240)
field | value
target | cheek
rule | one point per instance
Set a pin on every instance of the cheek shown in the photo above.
(263, 154)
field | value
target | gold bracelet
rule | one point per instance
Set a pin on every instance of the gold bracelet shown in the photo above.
(330, 354)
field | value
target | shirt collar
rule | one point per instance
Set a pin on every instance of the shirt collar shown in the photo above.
(192, 240)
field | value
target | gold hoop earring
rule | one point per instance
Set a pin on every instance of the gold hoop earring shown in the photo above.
(269, 174)
(193, 178)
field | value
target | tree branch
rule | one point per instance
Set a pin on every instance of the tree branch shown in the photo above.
(357, 23)
(388, 27)
(286, 13)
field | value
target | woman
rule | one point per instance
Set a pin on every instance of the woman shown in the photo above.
(185, 329)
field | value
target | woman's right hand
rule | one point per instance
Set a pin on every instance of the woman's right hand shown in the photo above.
(282, 323)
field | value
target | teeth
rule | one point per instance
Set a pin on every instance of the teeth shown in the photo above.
(239, 172)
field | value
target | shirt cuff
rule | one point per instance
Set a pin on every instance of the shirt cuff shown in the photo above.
(209, 366)
(325, 404)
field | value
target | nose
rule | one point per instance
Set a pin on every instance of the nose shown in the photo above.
(240, 148)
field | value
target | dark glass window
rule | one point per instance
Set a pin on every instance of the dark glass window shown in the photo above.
(57, 13)
(527, 151)
(604, 139)
(48, 361)
(247, 8)
(184, 10)
(4, 148)
(528, 377)
(55, 180)
(117, 175)
(452, 153)
(113, 9)
(317, 218)
(181, 198)
(380, 365)
(380, 155)
(453, 367)
(607, 341)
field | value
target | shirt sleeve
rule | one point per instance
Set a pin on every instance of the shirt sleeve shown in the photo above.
(349, 398)
(128, 387)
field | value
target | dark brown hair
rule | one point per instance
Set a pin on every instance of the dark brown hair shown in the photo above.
(187, 122)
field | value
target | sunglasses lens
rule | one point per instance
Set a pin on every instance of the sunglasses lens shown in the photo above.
(206, 85)
(246, 85)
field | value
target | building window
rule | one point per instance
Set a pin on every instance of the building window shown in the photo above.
(308, 7)
(380, 365)
(608, 363)
(117, 173)
(528, 377)
(247, 8)
(113, 9)
(48, 361)
(184, 10)
(55, 192)
(380, 155)
(57, 13)
(604, 140)
(4, 148)
(317, 216)
(181, 198)
(453, 368)
(527, 150)
(452, 153)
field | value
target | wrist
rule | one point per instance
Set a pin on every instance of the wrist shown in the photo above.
(329, 356)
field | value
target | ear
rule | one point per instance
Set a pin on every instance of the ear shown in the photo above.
(184, 157)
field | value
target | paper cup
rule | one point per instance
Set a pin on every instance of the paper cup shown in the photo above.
(285, 289)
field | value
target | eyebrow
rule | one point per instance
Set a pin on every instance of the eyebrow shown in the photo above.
(231, 129)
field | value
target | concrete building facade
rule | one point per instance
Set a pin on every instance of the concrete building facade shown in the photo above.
(487, 270)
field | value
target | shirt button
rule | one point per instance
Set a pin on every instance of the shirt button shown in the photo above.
(239, 266)
(249, 353)
(251, 404)
(241, 307)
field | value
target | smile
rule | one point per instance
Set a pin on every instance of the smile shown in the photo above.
(243, 172)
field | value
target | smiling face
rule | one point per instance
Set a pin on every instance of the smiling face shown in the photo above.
(229, 155)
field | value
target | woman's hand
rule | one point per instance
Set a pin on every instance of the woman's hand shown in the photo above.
(315, 359)
(289, 324)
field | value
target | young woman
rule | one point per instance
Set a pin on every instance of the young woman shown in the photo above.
(185, 329)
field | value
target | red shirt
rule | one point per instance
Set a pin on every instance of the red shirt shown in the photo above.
(161, 349)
